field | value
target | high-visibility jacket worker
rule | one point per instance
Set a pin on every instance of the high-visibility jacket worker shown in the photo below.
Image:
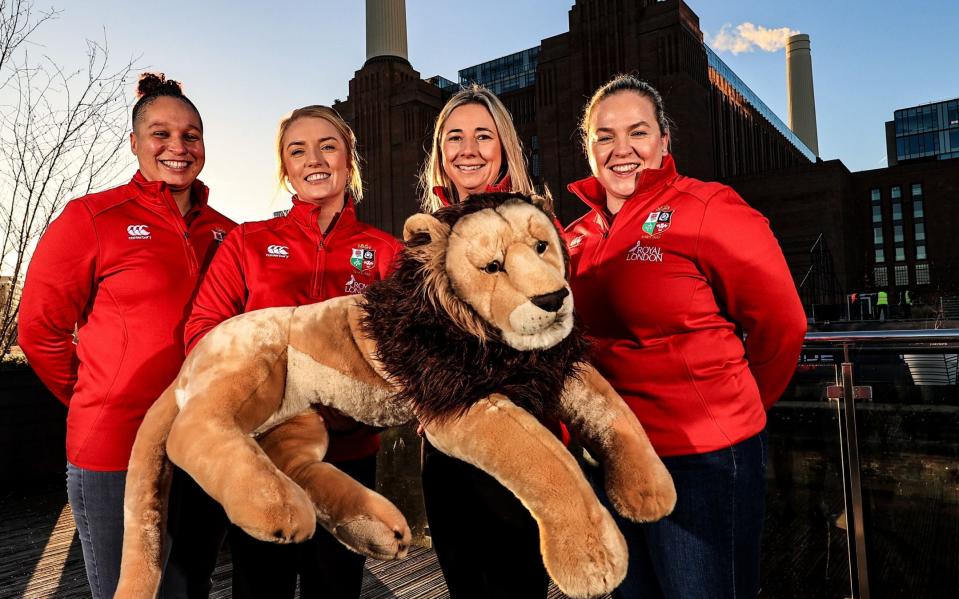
(883, 299)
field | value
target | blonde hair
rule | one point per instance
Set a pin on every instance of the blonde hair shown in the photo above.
(354, 186)
(432, 175)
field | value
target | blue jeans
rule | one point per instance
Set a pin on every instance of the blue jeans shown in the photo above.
(709, 546)
(96, 499)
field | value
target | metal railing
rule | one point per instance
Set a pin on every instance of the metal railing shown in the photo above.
(908, 347)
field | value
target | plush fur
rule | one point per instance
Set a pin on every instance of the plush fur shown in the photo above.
(473, 335)
(408, 331)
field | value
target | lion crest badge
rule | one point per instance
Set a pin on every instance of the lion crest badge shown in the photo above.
(363, 259)
(658, 221)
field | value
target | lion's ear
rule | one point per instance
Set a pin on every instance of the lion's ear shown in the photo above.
(424, 225)
(542, 202)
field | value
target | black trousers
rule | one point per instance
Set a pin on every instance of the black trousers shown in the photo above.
(261, 570)
(326, 568)
(195, 530)
(486, 540)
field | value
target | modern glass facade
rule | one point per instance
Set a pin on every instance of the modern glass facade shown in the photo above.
(504, 74)
(716, 63)
(444, 84)
(931, 130)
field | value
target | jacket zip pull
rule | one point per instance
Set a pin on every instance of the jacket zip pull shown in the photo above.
(186, 235)
(319, 246)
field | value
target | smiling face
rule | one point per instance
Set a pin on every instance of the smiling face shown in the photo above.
(168, 142)
(472, 153)
(315, 160)
(624, 138)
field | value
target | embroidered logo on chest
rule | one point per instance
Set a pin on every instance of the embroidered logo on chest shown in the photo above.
(218, 235)
(575, 241)
(363, 258)
(354, 286)
(277, 251)
(644, 253)
(138, 232)
(658, 221)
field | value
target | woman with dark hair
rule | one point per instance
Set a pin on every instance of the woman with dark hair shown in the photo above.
(104, 303)
(319, 250)
(475, 149)
(670, 274)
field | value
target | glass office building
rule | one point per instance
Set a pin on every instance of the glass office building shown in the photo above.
(927, 131)
(504, 74)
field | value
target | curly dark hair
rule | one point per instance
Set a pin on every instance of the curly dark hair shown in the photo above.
(155, 85)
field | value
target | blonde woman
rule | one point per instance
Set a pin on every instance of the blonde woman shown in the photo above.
(319, 250)
(486, 541)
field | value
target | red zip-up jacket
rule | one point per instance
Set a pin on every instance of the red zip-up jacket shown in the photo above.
(287, 261)
(122, 265)
(664, 292)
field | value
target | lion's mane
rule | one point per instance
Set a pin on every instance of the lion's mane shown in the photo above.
(440, 353)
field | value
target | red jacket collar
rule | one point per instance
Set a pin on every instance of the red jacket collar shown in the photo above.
(443, 194)
(651, 180)
(304, 213)
(158, 194)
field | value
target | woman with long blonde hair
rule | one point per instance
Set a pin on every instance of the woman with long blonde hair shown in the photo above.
(486, 541)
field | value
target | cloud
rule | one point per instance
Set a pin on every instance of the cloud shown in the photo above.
(747, 37)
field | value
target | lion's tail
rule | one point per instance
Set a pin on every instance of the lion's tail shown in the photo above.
(145, 502)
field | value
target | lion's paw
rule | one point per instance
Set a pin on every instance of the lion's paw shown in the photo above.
(375, 538)
(285, 515)
(589, 560)
(648, 499)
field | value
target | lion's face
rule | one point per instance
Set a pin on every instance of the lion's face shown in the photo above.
(506, 263)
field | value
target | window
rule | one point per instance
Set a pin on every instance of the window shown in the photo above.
(897, 233)
(877, 235)
(902, 276)
(875, 195)
(917, 211)
(880, 276)
(917, 190)
(921, 252)
(900, 254)
(880, 256)
(922, 274)
(876, 214)
(896, 192)
(920, 231)
(896, 212)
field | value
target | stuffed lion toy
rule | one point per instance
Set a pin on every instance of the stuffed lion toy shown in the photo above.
(473, 335)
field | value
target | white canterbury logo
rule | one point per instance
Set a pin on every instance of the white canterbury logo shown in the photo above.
(138, 232)
(278, 251)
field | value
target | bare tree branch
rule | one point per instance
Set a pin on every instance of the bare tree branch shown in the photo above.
(61, 136)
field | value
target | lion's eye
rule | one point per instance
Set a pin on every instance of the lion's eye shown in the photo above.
(541, 247)
(493, 267)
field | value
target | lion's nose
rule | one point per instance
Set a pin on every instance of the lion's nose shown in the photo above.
(550, 302)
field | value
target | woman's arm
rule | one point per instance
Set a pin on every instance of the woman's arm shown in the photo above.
(59, 286)
(223, 292)
(745, 267)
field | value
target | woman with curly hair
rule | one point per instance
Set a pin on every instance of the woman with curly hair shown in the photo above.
(104, 304)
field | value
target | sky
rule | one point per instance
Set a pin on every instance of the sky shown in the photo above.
(245, 64)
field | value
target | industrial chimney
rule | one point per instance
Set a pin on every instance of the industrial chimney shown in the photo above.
(801, 99)
(386, 28)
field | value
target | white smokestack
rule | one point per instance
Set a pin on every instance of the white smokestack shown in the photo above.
(800, 96)
(386, 28)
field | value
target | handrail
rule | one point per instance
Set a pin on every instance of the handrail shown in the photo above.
(929, 339)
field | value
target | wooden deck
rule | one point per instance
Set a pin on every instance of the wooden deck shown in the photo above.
(40, 557)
